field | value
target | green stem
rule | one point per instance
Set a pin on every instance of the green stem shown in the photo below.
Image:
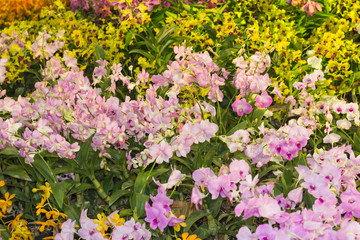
(99, 189)
(147, 178)
(240, 120)
(172, 191)
(220, 118)
(79, 196)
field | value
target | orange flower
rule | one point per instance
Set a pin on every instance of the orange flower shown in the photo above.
(116, 220)
(185, 236)
(55, 215)
(4, 204)
(48, 223)
(45, 188)
(39, 207)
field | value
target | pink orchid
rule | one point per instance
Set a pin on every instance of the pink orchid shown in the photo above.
(67, 231)
(161, 152)
(310, 7)
(241, 107)
(204, 131)
(263, 100)
(296, 195)
(197, 197)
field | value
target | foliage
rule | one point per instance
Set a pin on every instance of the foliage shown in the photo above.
(181, 120)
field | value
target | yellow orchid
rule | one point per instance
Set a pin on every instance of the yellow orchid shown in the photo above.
(48, 223)
(4, 204)
(179, 225)
(117, 220)
(102, 223)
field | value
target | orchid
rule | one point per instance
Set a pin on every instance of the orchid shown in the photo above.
(201, 119)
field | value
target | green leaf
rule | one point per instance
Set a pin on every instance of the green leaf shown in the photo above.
(140, 182)
(198, 157)
(158, 172)
(128, 38)
(158, 16)
(308, 199)
(83, 155)
(257, 115)
(82, 187)
(356, 145)
(44, 169)
(223, 8)
(163, 48)
(19, 195)
(137, 203)
(4, 232)
(119, 159)
(170, 14)
(118, 194)
(211, 32)
(229, 41)
(114, 154)
(19, 91)
(168, 57)
(344, 136)
(268, 169)
(209, 157)
(194, 217)
(18, 172)
(108, 183)
(143, 53)
(34, 175)
(59, 190)
(203, 232)
(9, 151)
(167, 33)
(72, 211)
(183, 161)
(127, 184)
(125, 212)
(241, 125)
(214, 205)
(286, 178)
(217, 162)
(99, 53)
(149, 44)
(68, 169)
(143, 178)
(186, 6)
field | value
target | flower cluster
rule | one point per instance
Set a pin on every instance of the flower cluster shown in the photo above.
(224, 184)
(52, 216)
(22, 9)
(17, 227)
(329, 178)
(97, 228)
(103, 8)
(3, 63)
(42, 49)
(14, 58)
(309, 6)
(191, 70)
(159, 215)
(200, 119)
